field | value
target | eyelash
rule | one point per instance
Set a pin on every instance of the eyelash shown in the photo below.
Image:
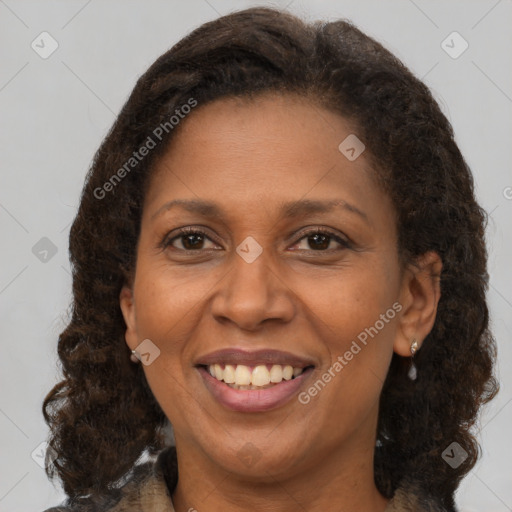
(194, 230)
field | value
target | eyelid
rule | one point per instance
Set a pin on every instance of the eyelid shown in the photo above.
(179, 232)
(300, 233)
(307, 231)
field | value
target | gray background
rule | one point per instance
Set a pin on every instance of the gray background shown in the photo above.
(56, 111)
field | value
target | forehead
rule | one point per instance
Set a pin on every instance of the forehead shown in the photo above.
(272, 148)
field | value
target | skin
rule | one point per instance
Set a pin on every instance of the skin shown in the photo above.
(250, 156)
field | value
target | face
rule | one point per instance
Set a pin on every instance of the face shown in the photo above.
(274, 280)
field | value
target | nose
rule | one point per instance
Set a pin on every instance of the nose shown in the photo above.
(253, 292)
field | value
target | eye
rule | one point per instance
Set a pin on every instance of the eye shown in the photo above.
(191, 239)
(320, 239)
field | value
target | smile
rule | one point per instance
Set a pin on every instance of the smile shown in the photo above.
(253, 377)
(253, 389)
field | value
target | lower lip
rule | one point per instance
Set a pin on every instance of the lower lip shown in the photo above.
(253, 400)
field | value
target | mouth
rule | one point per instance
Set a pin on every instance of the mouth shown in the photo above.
(253, 381)
(244, 377)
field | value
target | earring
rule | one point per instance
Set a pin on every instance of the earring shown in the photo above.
(412, 374)
(134, 357)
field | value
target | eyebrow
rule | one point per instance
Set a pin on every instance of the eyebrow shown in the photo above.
(289, 209)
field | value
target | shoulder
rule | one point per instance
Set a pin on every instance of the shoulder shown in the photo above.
(146, 489)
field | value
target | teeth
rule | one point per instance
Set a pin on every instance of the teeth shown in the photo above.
(260, 376)
(276, 373)
(219, 373)
(229, 374)
(241, 377)
(287, 372)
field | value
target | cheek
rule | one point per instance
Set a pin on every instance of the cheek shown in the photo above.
(351, 301)
(357, 323)
(166, 306)
(169, 306)
(167, 301)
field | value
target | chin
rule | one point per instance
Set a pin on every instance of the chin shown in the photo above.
(257, 459)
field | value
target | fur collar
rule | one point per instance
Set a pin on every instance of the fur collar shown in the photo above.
(147, 490)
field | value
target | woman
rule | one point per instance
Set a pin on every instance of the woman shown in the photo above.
(279, 253)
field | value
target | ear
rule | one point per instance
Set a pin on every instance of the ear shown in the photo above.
(419, 296)
(127, 303)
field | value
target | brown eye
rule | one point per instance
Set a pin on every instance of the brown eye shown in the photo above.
(320, 241)
(192, 239)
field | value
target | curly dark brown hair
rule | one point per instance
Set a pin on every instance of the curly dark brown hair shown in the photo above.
(103, 415)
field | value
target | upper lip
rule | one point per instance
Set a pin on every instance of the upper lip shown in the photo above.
(249, 358)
